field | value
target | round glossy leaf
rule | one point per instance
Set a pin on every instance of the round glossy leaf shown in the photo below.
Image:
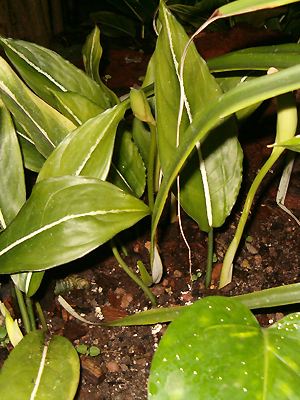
(40, 369)
(216, 349)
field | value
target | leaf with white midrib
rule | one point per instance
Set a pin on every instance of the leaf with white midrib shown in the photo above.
(42, 123)
(43, 69)
(39, 374)
(61, 221)
(95, 138)
(40, 367)
(65, 218)
(178, 100)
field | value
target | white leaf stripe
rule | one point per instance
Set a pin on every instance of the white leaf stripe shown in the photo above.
(7, 91)
(40, 372)
(122, 178)
(34, 66)
(2, 220)
(68, 109)
(62, 220)
(91, 55)
(27, 281)
(27, 138)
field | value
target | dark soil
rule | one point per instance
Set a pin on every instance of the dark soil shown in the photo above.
(269, 258)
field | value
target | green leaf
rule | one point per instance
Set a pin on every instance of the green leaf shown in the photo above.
(43, 69)
(210, 182)
(94, 351)
(82, 349)
(33, 160)
(12, 182)
(12, 189)
(40, 368)
(114, 25)
(211, 357)
(76, 107)
(95, 139)
(229, 82)
(13, 330)
(127, 169)
(43, 124)
(245, 6)
(257, 58)
(28, 282)
(149, 317)
(242, 96)
(140, 106)
(141, 136)
(63, 219)
(92, 52)
(291, 144)
(273, 297)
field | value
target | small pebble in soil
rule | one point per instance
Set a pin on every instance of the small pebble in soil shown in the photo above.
(257, 260)
(269, 270)
(177, 274)
(126, 300)
(156, 329)
(158, 290)
(112, 366)
(245, 264)
(186, 297)
(251, 248)
(98, 313)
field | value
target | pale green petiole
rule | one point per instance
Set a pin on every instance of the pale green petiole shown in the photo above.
(226, 273)
(210, 254)
(132, 275)
(286, 128)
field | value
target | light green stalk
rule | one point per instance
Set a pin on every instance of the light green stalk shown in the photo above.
(286, 128)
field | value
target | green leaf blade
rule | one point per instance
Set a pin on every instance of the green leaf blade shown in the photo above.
(114, 25)
(95, 139)
(257, 58)
(43, 124)
(64, 219)
(12, 181)
(291, 144)
(33, 160)
(76, 107)
(244, 95)
(208, 184)
(56, 360)
(245, 6)
(127, 169)
(43, 69)
(212, 357)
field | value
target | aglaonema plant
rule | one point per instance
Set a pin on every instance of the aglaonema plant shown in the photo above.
(243, 94)
(71, 209)
(92, 171)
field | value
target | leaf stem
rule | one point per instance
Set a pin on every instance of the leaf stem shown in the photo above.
(210, 254)
(23, 309)
(226, 273)
(132, 275)
(30, 313)
(41, 316)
